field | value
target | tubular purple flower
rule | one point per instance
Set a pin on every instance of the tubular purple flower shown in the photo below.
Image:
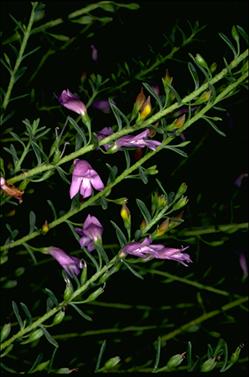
(138, 141)
(71, 265)
(147, 250)
(84, 179)
(90, 233)
(106, 131)
(72, 102)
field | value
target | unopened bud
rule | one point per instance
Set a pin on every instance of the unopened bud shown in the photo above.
(45, 227)
(176, 360)
(179, 122)
(125, 213)
(58, 318)
(111, 363)
(204, 97)
(143, 225)
(37, 334)
(162, 229)
(235, 355)
(209, 365)
(167, 79)
(5, 331)
(68, 291)
(83, 276)
(146, 109)
(235, 34)
(199, 59)
(213, 67)
(139, 100)
(94, 295)
(181, 203)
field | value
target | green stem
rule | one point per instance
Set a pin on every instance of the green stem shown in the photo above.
(154, 118)
(226, 228)
(56, 309)
(204, 318)
(111, 330)
(188, 282)
(19, 57)
(88, 202)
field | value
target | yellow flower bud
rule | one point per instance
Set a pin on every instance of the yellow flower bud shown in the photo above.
(125, 213)
(162, 229)
(146, 109)
(139, 100)
(45, 227)
(167, 79)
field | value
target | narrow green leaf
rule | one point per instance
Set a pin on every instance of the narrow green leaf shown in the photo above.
(194, 74)
(144, 210)
(100, 355)
(27, 312)
(176, 150)
(120, 235)
(153, 94)
(52, 208)
(59, 37)
(17, 314)
(52, 296)
(158, 353)
(209, 121)
(228, 42)
(36, 362)
(135, 273)
(118, 115)
(49, 338)
(80, 312)
(32, 220)
(78, 129)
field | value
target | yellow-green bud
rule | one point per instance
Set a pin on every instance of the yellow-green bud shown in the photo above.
(5, 331)
(37, 334)
(111, 363)
(235, 34)
(45, 227)
(58, 318)
(126, 215)
(68, 291)
(204, 97)
(167, 79)
(181, 203)
(175, 360)
(95, 294)
(235, 355)
(208, 365)
(199, 59)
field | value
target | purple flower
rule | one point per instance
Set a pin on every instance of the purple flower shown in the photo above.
(102, 105)
(138, 141)
(84, 179)
(106, 131)
(72, 102)
(90, 233)
(145, 249)
(71, 265)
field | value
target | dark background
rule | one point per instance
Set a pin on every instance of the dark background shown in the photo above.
(209, 173)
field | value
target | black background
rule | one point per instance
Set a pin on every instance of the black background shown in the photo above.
(210, 172)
